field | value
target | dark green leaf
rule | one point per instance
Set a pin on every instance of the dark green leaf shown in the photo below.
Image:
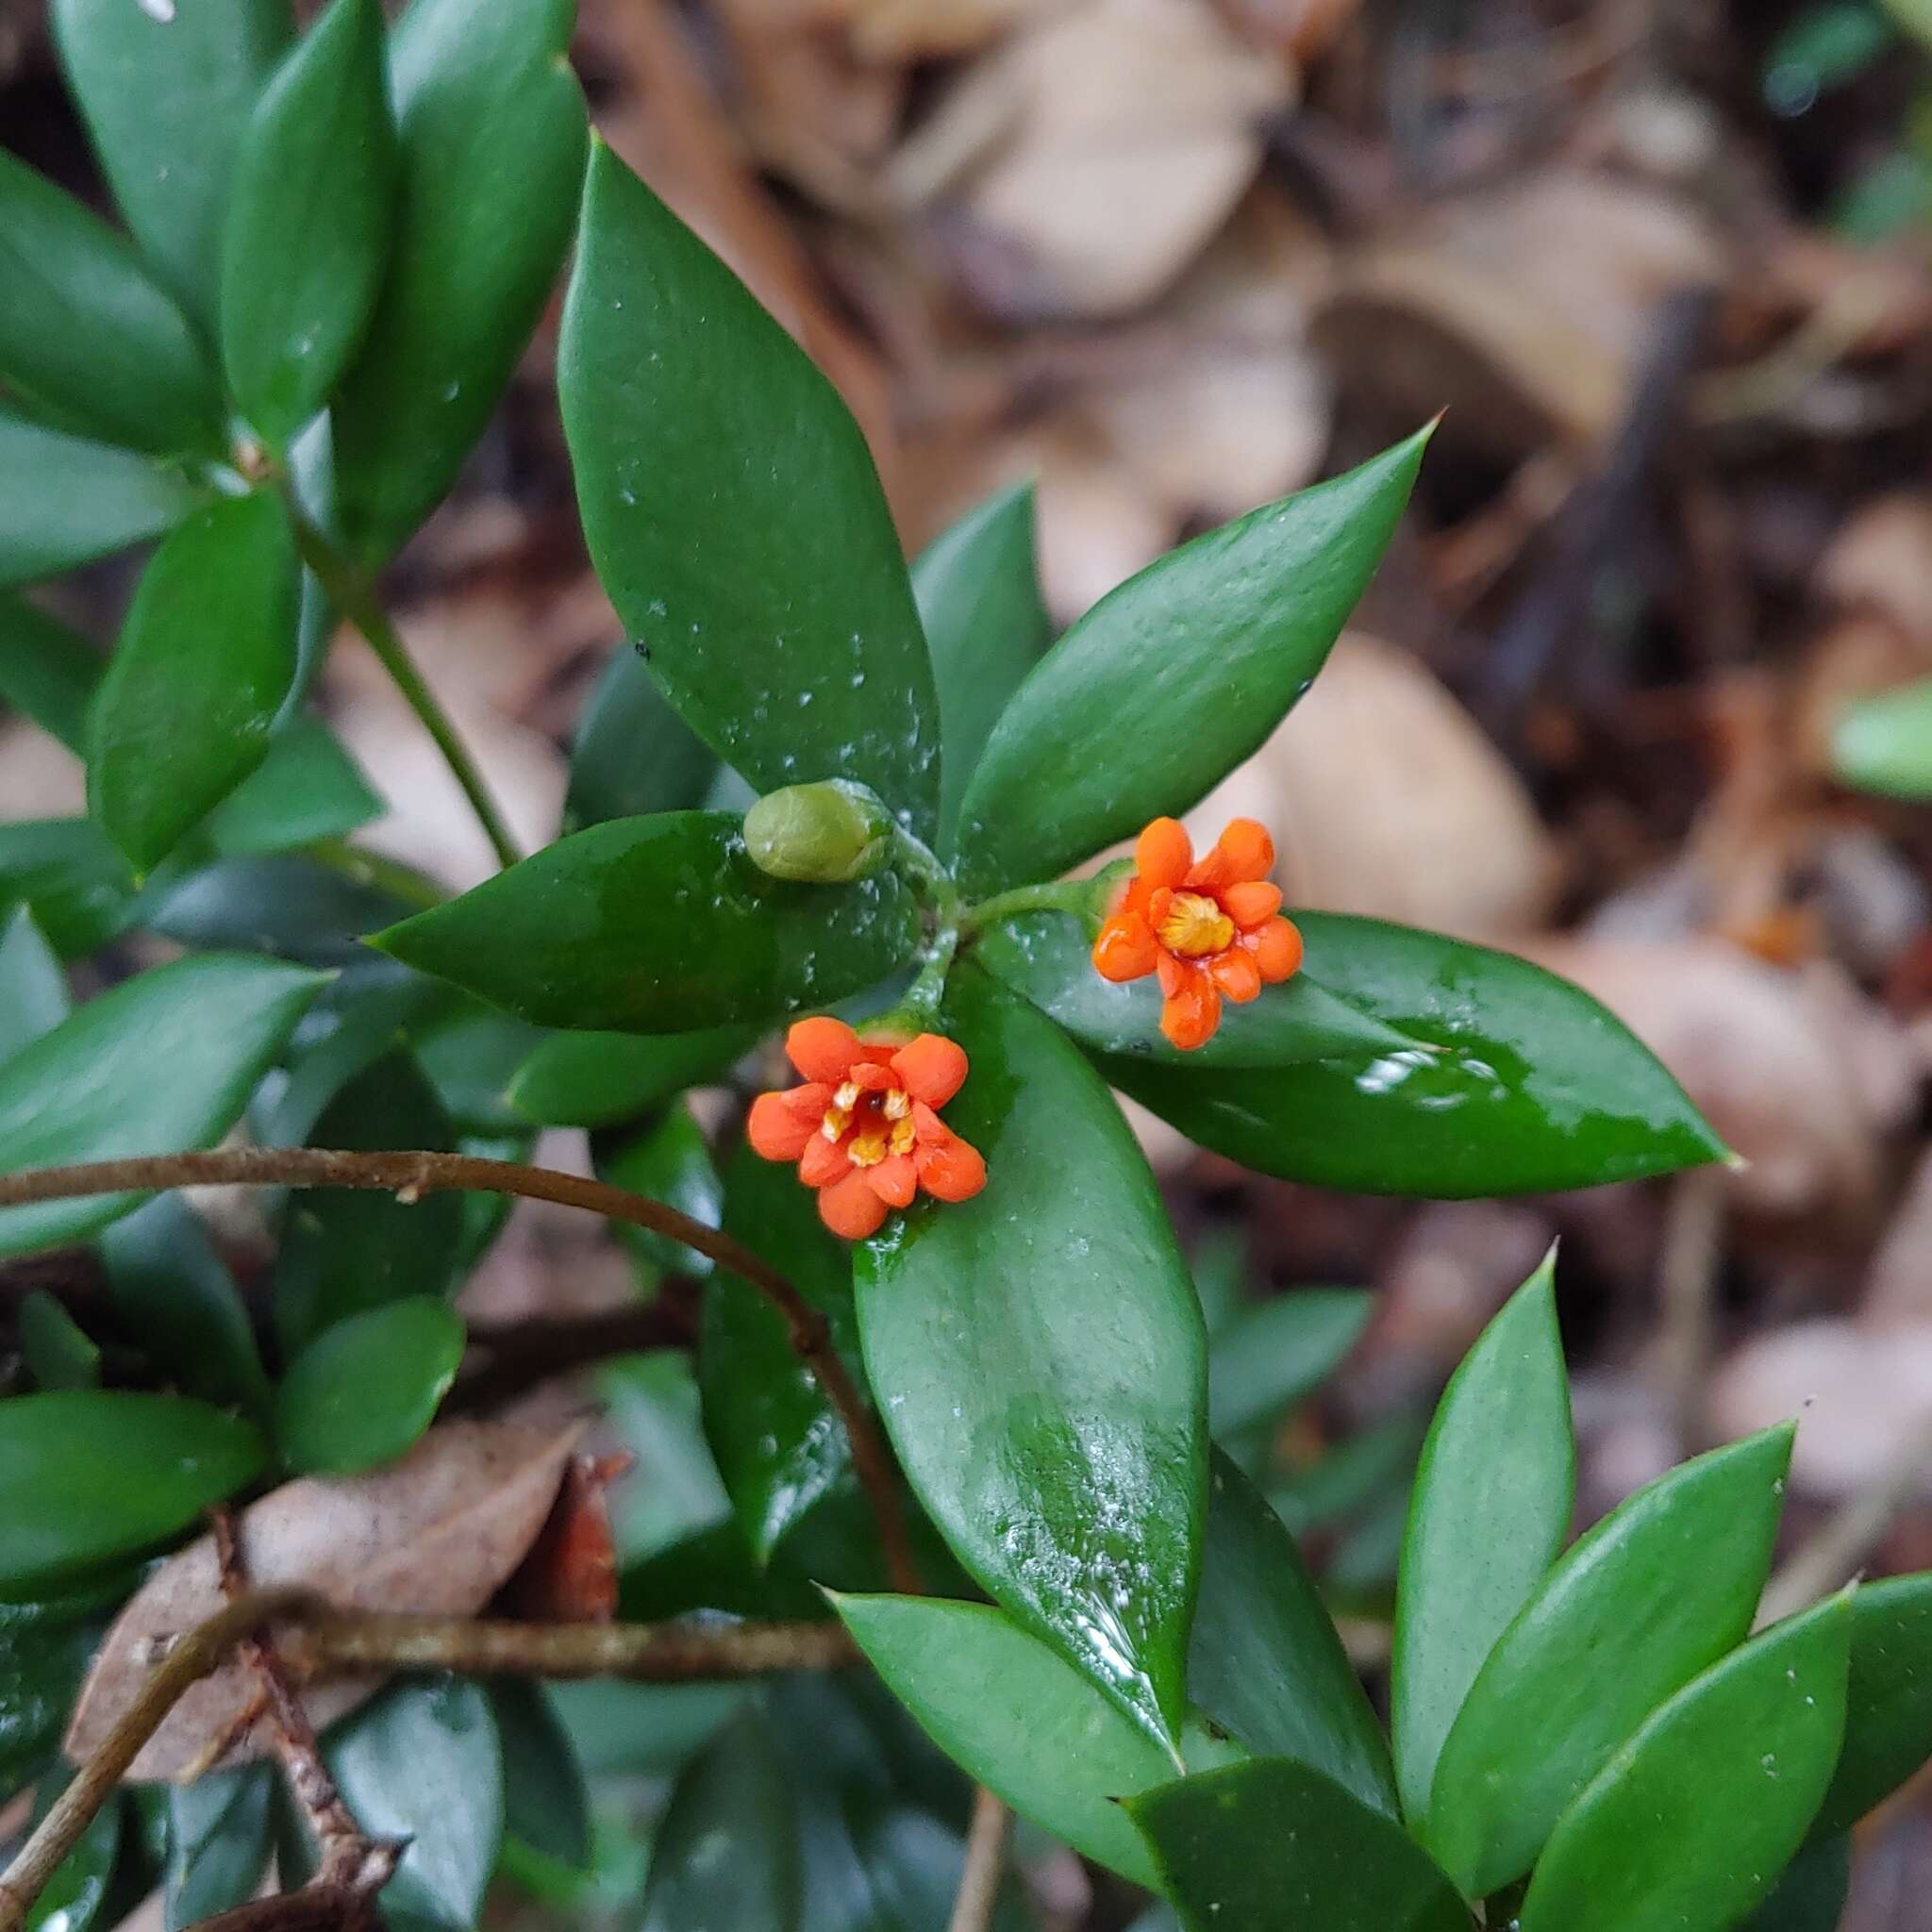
(345, 1251)
(1270, 1357)
(470, 1052)
(545, 1799)
(362, 1014)
(160, 1063)
(218, 1843)
(1486, 1517)
(492, 150)
(633, 753)
(281, 903)
(174, 1290)
(58, 1354)
(73, 877)
(726, 1853)
(33, 987)
(308, 221)
(1038, 1354)
(80, 1889)
(1888, 1706)
(1884, 745)
(205, 661)
(1260, 1846)
(672, 1489)
(1810, 1897)
(660, 924)
(364, 1390)
(734, 515)
(671, 1162)
(89, 1476)
(47, 671)
(1690, 1822)
(1659, 1590)
(166, 95)
(44, 1652)
(1357, 1473)
(1519, 1083)
(978, 592)
(1265, 1662)
(87, 335)
(1170, 681)
(306, 788)
(596, 1079)
(65, 501)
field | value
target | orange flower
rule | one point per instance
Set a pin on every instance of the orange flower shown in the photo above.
(865, 1129)
(1211, 931)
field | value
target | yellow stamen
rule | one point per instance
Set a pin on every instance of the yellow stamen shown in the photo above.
(898, 1104)
(1195, 926)
(847, 1096)
(836, 1119)
(867, 1150)
(903, 1134)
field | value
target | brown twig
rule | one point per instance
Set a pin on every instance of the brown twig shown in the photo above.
(313, 1907)
(986, 1859)
(410, 1175)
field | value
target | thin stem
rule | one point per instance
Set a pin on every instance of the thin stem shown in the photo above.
(352, 596)
(410, 1175)
(1074, 896)
(986, 1860)
(364, 868)
(918, 859)
(923, 995)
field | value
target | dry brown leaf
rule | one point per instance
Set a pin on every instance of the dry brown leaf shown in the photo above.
(437, 1533)
(934, 29)
(40, 779)
(1882, 560)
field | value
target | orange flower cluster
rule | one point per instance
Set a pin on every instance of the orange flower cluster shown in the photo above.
(1211, 930)
(864, 1128)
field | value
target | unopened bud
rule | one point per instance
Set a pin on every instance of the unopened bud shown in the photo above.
(825, 834)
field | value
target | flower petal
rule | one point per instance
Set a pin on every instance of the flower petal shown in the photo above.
(932, 1069)
(950, 1169)
(1126, 949)
(775, 1130)
(1235, 973)
(894, 1181)
(1191, 1013)
(1172, 973)
(871, 1077)
(1251, 902)
(823, 1162)
(1278, 949)
(850, 1208)
(1163, 853)
(822, 1048)
(1242, 853)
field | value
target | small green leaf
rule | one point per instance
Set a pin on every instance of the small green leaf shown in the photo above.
(86, 335)
(734, 515)
(660, 924)
(1170, 681)
(1659, 1591)
(1486, 1516)
(1269, 1358)
(160, 1063)
(45, 1649)
(1038, 1356)
(58, 1354)
(90, 1475)
(1888, 1706)
(205, 661)
(1265, 1662)
(1810, 1897)
(726, 1853)
(307, 789)
(218, 1843)
(491, 126)
(65, 501)
(33, 987)
(1884, 745)
(469, 1051)
(978, 587)
(308, 221)
(597, 1079)
(1514, 1081)
(1690, 1822)
(73, 879)
(281, 903)
(633, 753)
(364, 1390)
(47, 671)
(545, 1802)
(1260, 1846)
(166, 93)
(671, 1162)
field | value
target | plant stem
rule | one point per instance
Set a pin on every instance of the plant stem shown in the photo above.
(347, 592)
(410, 1175)
(1074, 896)
(986, 1859)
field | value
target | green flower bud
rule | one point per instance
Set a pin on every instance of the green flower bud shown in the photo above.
(825, 834)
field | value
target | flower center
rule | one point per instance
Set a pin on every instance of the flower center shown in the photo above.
(878, 1123)
(1195, 926)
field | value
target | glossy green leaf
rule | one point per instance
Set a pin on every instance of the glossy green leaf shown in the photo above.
(672, 1489)
(633, 753)
(545, 1802)
(33, 987)
(347, 1250)
(1265, 1661)
(65, 501)
(218, 1843)
(734, 515)
(1270, 1357)
(85, 332)
(1486, 1517)
(726, 1853)
(978, 586)
(90, 1475)
(174, 1293)
(309, 218)
(1038, 1356)
(1884, 745)
(58, 1352)
(491, 126)
(160, 1063)
(76, 1896)
(47, 671)
(74, 879)
(167, 93)
(660, 924)
(596, 1079)
(421, 1763)
(670, 1161)
(1170, 681)
(306, 789)
(469, 1051)
(1690, 1822)
(365, 1389)
(364, 1013)
(1256, 1847)
(45, 1648)
(1888, 1704)
(1810, 1897)
(1659, 1590)
(779, 1446)
(205, 661)
(1519, 1081)
(285, 904)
